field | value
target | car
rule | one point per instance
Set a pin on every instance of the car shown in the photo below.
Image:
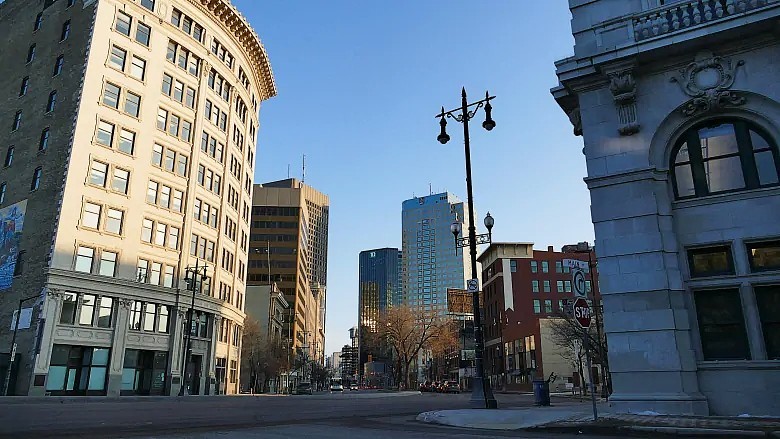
(303, 389)
(353, 386)
(452, 387)
(336, 387)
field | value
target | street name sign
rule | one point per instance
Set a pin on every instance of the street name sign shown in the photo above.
(575, 263)
(582, 314)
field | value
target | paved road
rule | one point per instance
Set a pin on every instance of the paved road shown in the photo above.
(351, 414)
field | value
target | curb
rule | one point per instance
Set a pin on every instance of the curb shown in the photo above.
(686, 431)
(642, 431)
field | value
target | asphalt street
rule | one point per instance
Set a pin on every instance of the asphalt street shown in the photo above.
(340, 415)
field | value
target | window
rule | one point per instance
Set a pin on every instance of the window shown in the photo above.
(148, 4)
(154, 275)
(173, 237)
(157, 154)
(181, 165)
(123, 23)
(138, 68)
(164, 198)
(146, 230)
(126, 141)
(167, 84)
(723, 156)
(132, 104)
(513, 266)
(168, 276)
(162, 119)
(105, 311)
(52, 102)
(98, 173)
(84, 258)
(535, 286)
(58, 64)
(107, 263)
(547, 286)
(710, 261)
(559, 286)
(87, 311)
(36, 179)
(77, 369)
(721, 325)
(545, 267)
(162, 319)
(105, 133)
(68, 312)
(91, 216)
(9, 156)
(548, 306)
(135, 316)
(114, 220)
(143, 34)
(178, 200)
(120, 181)
(768, 300)
(17, 121)
(19, 268)
(558, 267)
(3, 187)
(65, 31)
(537, 307)
(111, 95)
(764, 256)
(25, 86)
(567, 286)
(38, 22)
(160, 232)
(31, 54)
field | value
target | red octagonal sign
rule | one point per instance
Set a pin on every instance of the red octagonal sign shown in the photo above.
(582, 312)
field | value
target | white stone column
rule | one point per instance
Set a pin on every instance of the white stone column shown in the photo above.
(118, 342)
(209, 362)
(50, 313)
(646, 320)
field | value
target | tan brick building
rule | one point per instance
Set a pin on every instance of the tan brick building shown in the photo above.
(128, 128)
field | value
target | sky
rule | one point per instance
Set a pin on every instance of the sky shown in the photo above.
(359, 83)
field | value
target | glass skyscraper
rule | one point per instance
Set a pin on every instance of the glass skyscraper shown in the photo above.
(380, 288)
(430, 262)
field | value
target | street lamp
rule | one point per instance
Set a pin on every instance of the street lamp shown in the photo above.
(12, 359)
(194, 277)
(481, 395)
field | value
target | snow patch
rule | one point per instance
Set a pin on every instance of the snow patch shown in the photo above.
(649, 413)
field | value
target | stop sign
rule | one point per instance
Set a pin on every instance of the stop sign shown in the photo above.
(582, 312)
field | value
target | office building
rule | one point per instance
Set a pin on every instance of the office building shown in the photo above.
(678, 106)
(290, 219)
(524, 290)
(430, 261)
(379, 286)
(129, 153)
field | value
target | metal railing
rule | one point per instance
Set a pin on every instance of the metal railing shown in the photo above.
(688, 14)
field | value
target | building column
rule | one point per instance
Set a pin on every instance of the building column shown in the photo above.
(646, 320)
(116, 363)
(49, 317)
(209, 363)
(176, 353)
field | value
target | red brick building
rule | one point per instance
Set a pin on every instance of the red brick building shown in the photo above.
(524, 288)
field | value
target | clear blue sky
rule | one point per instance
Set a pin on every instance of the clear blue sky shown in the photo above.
(359, 84)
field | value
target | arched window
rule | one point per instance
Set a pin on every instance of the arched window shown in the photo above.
(723, 156)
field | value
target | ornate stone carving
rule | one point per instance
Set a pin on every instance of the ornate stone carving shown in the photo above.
(707, 81)
(623, 88)
(575, 117)
(126, 303)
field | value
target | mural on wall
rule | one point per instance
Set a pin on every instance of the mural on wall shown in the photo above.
(11, 223)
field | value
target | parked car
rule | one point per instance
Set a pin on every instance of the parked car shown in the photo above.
(336, 387)
(353, 386)
(425, 387)
(452, 387)
(303, 389)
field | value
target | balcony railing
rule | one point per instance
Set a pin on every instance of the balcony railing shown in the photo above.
(690, 13)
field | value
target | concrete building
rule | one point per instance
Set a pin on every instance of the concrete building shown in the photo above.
(678, 105)
(430, 262)
(267, 305)
(379, 279)
(290, 219)
(129, 156)
(524, 288)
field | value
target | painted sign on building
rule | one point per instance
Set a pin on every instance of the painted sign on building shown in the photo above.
(11, 223)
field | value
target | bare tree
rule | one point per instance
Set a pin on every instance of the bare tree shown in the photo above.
(567, 334)
(407, 331)
(264, 356)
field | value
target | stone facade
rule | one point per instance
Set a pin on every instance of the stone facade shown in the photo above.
(105, 257)
(644, 76)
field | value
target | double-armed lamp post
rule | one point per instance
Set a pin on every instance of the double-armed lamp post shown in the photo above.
(482, 395)
(195, 276)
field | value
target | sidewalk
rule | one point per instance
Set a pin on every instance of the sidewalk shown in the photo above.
(578, 418)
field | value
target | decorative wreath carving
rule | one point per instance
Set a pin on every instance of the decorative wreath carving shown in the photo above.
(707, 81)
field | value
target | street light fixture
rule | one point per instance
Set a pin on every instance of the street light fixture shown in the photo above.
(12, 351)
(194, 277)
(482, 394)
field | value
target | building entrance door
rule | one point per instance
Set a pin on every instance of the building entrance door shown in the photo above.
(194, 372)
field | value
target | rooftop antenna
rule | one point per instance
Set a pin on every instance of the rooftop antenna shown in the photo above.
(288, 170)
(430, 189)
(303, 177)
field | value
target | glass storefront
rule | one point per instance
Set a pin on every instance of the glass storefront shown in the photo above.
(77, 370)
(143, 372)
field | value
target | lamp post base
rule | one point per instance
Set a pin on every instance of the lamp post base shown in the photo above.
(482, 395)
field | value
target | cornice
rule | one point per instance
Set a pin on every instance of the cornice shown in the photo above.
(236, 25)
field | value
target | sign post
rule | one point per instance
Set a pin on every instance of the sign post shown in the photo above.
(582, 315)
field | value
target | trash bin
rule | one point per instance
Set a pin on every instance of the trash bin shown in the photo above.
(541, 392)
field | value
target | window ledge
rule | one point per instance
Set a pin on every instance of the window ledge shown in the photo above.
(739, 364)
(727, 197)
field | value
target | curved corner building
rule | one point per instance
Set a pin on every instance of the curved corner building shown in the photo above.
(128, 133)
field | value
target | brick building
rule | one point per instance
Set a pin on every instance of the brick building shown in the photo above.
(524, 289)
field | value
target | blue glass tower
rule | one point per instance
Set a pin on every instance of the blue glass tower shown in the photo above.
(380, 288)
